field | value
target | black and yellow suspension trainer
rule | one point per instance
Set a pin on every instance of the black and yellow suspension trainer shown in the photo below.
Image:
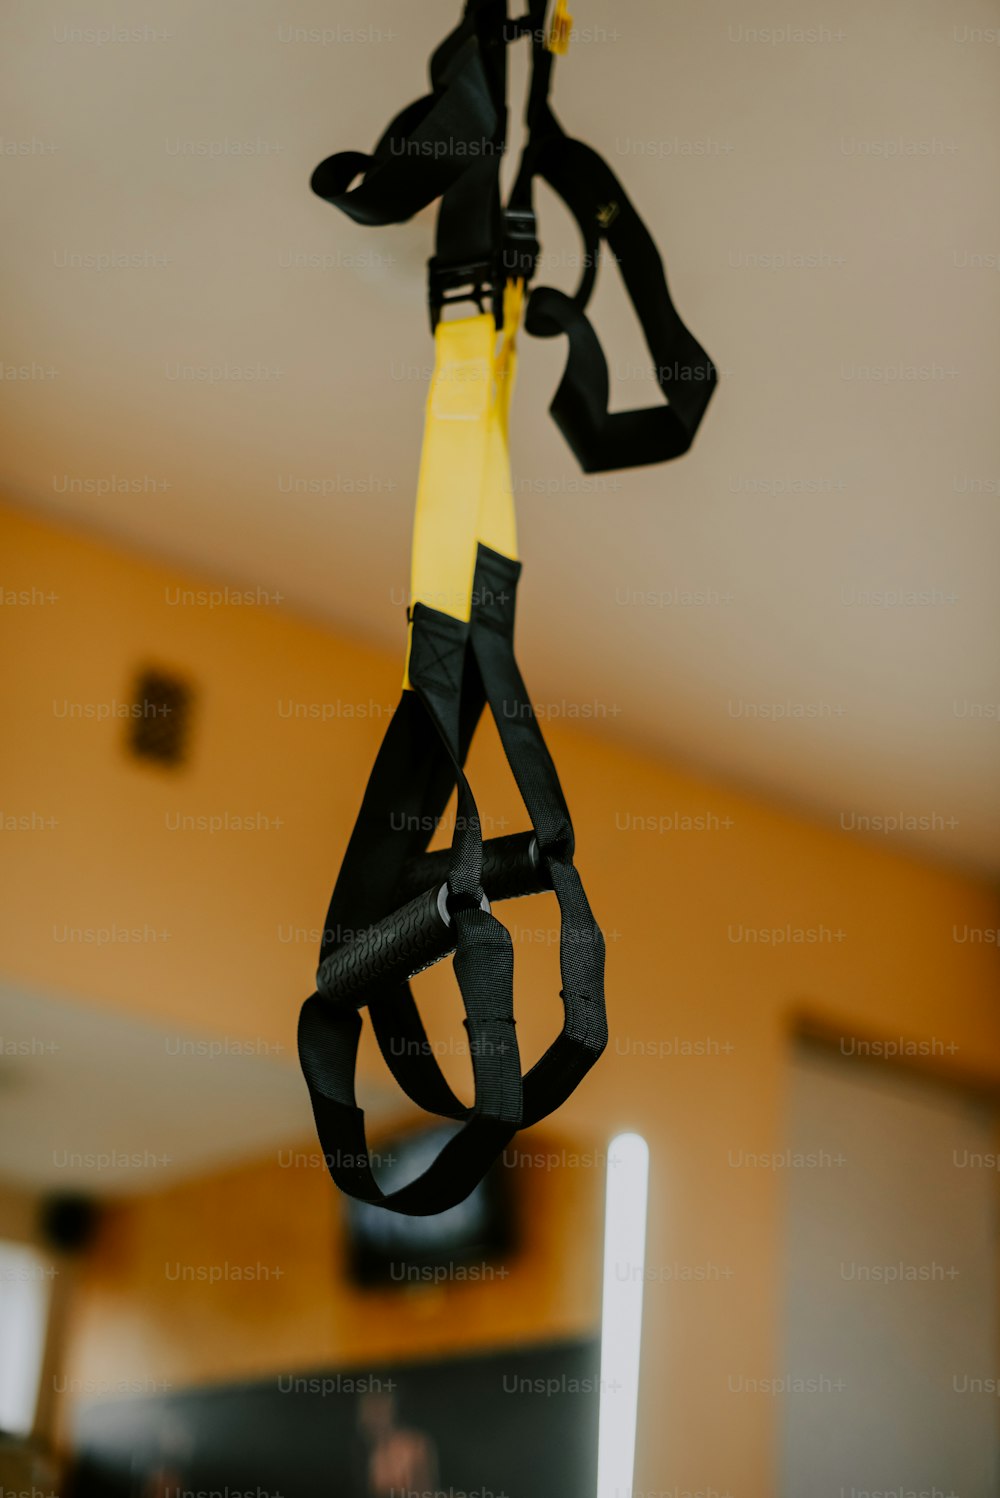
(396, 908)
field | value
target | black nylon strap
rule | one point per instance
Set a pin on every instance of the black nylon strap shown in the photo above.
(429, 144)
(396, 1020)
(446, 674)
(450, 145)
(581, 945)
(328, 1043)
(683, 371)
(603, 211)
(329, 1034)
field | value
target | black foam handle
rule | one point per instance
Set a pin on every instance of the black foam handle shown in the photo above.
(413, 937)
(420, 932)
(512, 867)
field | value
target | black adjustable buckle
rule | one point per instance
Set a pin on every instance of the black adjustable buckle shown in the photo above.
(520, 251)
(483, 281)
(478, 282)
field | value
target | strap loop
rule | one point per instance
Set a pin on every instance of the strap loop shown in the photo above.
(458, 658)
(449, 145)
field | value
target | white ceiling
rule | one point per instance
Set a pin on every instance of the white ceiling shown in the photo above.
(871, 146)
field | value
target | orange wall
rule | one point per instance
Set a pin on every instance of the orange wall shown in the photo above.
(886, 965)
(18, 1215)
(152, 1310)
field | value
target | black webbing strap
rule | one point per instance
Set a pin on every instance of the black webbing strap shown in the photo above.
(452, 667)
(430, 143)
(425, 736)
(449, 145)
(581, 945)
(684, 373)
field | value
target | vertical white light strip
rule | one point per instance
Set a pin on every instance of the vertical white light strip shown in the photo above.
(24, 1302)
(621, 1312)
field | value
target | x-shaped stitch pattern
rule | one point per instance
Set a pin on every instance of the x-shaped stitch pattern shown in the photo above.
(437, 651)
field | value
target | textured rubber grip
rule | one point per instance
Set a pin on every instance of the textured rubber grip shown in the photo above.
(512, 867)
(417, 935)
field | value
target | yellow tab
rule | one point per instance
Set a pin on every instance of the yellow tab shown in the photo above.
(560, 30)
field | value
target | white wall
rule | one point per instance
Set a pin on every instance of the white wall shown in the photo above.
(890, 1294)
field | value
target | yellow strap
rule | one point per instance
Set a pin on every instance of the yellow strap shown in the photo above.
(497, 517)
(561, 29)
(464, 489)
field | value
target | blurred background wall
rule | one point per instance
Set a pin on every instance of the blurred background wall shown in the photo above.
(769, 674)
(733, 928)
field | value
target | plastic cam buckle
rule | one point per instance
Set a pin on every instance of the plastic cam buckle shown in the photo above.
(451, 284)
(520, 252)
